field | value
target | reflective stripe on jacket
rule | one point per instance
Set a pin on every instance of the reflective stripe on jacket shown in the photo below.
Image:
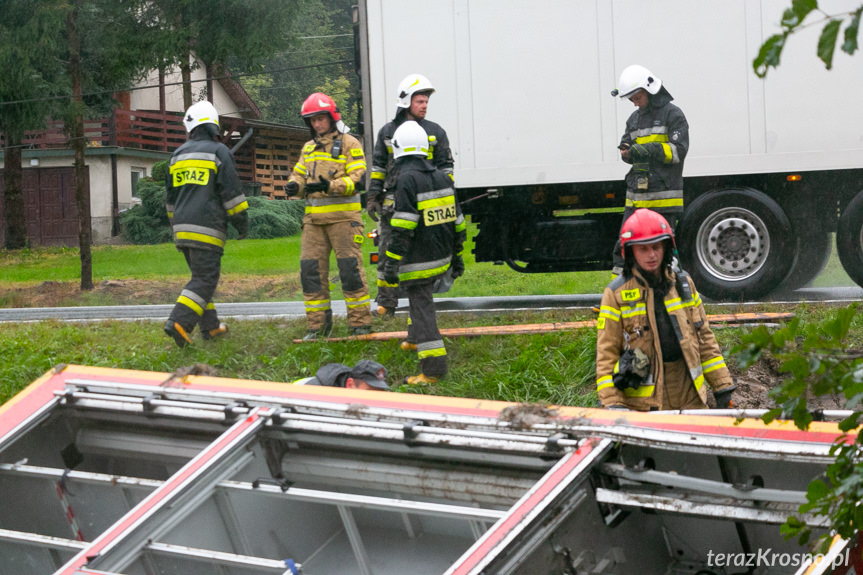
(342, 202)
(428, 227)
(203, 192)
(662, 130)
(627, 308)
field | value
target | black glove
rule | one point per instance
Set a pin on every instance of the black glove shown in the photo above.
(373, 207)
(723, 398)
(639, 153)
(391, 271)
(292, 188)
(322, 185)
(457, 267)
(241, 223)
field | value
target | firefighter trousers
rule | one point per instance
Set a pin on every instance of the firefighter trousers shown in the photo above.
(388, 294)
(195, 304)
(346, 240)
(616, 256)
(423, 330)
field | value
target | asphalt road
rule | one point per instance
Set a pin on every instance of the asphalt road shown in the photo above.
(294, 309)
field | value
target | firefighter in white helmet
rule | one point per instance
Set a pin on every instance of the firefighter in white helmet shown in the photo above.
(203, 194)
(327, 175)
(411, 105)
(655, 142)
(428, 231)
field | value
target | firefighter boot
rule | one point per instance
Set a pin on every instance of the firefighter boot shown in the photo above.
(408, 346)
(176, 331)
(419, 379)
(323, 331)
(215, 332)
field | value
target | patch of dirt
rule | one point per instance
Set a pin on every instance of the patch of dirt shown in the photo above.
(754, 384)
(147, 292)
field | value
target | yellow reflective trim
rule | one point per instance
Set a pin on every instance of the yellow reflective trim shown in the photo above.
(355, 166)
(300, 169)
(699, 381)
(188, 164)
(379, 176)
(190, 303)
(673, 203)
(400, 223)
(444, 201)
(384, 283)
(604, 382)
(238, 208)
(437, 352)
(667, 149)
(211, 305)
(713, 365)
(642, 391)
(171, 215)
(332, 208)
(639, 309)
(349, 185)
(460, 227)
(394, 256)
(203, 238)
(422, 274)
(651, 138)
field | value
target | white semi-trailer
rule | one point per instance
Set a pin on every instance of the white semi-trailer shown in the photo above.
(523, 90)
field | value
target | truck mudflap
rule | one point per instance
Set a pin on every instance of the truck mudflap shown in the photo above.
(108, 471)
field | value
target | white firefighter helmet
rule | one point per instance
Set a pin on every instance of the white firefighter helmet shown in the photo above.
(637, 77)
(410, 139)
(200, 113)
(412, 84)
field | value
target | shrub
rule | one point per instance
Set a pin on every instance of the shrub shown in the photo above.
(148, 223)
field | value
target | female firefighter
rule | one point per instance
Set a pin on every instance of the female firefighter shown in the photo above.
(654, 348)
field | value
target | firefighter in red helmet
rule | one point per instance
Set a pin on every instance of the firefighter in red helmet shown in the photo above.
(654, 347)
(327, 176)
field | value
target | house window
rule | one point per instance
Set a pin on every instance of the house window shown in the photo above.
(137, 174)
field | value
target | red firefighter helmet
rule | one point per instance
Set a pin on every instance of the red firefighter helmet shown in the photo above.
(645, 227)
(319, 103)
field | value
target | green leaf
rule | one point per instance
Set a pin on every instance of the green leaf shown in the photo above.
(795, 15)
(827, 42)
(850, 45)
(769, 54)
(817, 490)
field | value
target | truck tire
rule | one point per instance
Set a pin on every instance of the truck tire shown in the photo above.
(737, 243)
(813, 253)
(849, 239)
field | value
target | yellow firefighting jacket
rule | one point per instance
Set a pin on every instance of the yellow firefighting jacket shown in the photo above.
(627, 313)
(344, 169)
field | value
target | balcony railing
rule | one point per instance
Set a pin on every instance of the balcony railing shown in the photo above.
(156, 131)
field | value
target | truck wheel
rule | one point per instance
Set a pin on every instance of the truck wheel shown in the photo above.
(813, 253)
(736, 243)
(849, 239)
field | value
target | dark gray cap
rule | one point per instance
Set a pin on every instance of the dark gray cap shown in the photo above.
(371, 372)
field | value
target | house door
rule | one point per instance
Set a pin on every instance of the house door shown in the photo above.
(50, 209)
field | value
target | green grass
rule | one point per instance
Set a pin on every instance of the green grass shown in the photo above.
(277, 257)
